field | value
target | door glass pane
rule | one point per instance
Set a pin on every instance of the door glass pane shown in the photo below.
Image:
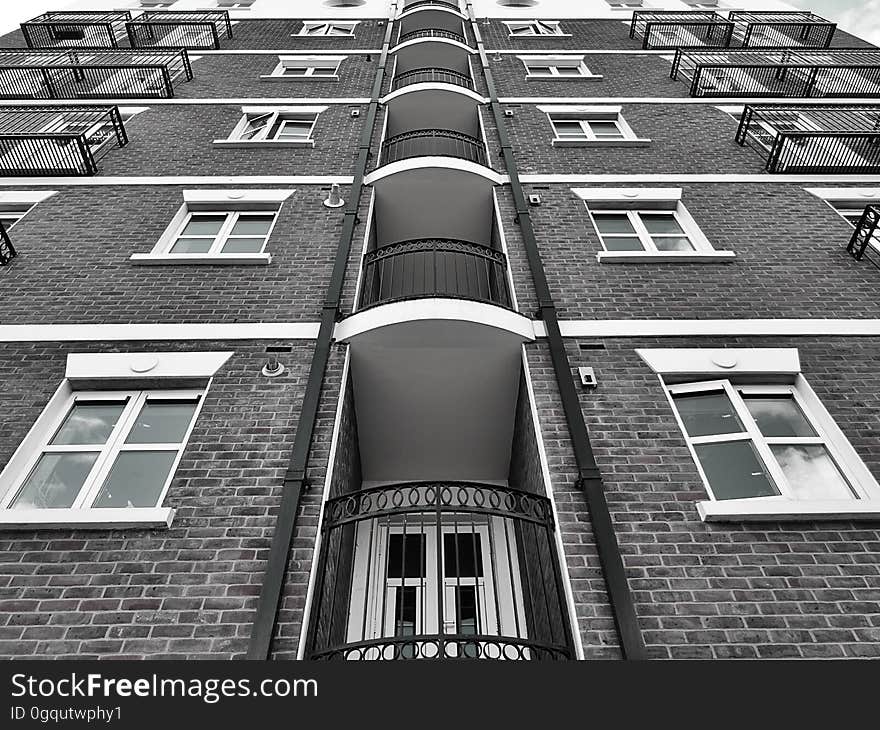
(613, 223)
(461, 555)
(243, 245)
(252, 225)
(672, 243)
(203, 225)
(707, 414)
(161, 422)
(192, 245)
(88, 423)
(811, 472)
(660, 223)
(55, 481)
(466, 605)
(406, 556)
(734, 470)
(778, 415)
(405, 612)
(136, 479)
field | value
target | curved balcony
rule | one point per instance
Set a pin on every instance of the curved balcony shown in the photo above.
(439, 570)
(428, 3)
(433, 143)
(438, 268)
(433, 34)
(432, 76)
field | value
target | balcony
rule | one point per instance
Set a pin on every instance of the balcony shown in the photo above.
(433, 143)
(814, 139)
(659, 29)
(449, 269)
(866, 235)
(439, 570)
(432, 34)
(94, 74)
(432, 76)
(779, 73)
(431, 4)
(62, 140)
(774, 29)
(7, 250)
(76, 28)
(179, 29)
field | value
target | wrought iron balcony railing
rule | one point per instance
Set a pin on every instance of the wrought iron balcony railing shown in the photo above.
(813, 139)
(428, 3)
(76, 28)
(867, 233)
(431, 76)
(781, 29)
(179, 29)
(787, 72)
(676, 28)
(7, 250)
(433, 142)
(439, 570)
(91, 74)
(419, 269)
(432, 33)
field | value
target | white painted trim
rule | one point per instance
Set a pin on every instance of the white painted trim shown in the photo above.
(722, 362)
(868, 195)
(638, 196)
(25, 197)
(576, 111)
(634, 142)
(428, 309)
(87, 519)
(407, 12)
(714, 327)
(180, 331)
(664, 257)
(686, 100)
(787, 510)
(284, 109)
(263, 143)
(668, 177)
(287, 52)
(220, 259)
(218, 101)
(368, 230)
(428, 39)
(236, 197)
(502, 239)
(181, 180)
(421, 163)
(114, 366)
(433, 86)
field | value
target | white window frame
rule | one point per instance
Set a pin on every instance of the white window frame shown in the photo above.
(649, 200)
(538, 28)
(328, 26)
(232, 203)
(18, 203)
(310, 64)
(585, 115)
(268, 133)
(850, 199)
(554, 63)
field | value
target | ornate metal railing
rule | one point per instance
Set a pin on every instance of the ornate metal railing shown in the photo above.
(424, 3)
(7, 250)
(439, 570)
(72, 28)
(57, 140)
(866, 233)
(432, 76)
(672, 29)
(813, 138)
(432, 33)
(179, 29)
(433, 142)
(91, 74)
(781, 72)
(419, 269)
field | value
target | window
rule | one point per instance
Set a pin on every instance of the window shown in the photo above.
(850, 204)
(14, 205)
(220, 233)
(330, 28)
(534, 28)
(850, 210)
(306, 68)
(270, 126)
(557, 68)
(642, 230)
(11, 213)
(584, 126)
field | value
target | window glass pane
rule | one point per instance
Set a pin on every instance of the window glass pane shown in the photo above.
(203, 225)
(161, 422)
(88, 423)
(324, 70)
(540, 70)
(292, 71)
(613, 223)
(466, 607)
(623, 243)
(778, 415)
(406, 556)
(672, 243)
(136, 479)
(605, 129)
(660, 223)
(461, 555)
(707, 414)
(405, 613)
(734, 470)
(55, 481)
(192, 245)
(294, 129)
(811, 472)
(243, 245)
(252, 225)
(569, 70)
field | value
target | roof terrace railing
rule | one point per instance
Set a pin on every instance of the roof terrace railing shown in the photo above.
(57, 140)
(432, 76)
(778, 29)
(783, 72)
(91, 74)
(76, 28)
(179, 29)
(674, 29)
(813, 139)
(7, 250)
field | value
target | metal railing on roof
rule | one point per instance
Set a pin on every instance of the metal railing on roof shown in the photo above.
(76, 28)
(771, 28)
(673, 29)
(179, 29)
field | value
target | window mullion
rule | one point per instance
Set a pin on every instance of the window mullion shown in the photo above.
(223, 233)
(635, 219)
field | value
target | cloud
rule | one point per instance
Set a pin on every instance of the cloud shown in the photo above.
(859, 17)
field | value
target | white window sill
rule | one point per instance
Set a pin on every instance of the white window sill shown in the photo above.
(786, 510)
(637, 142)
(89, 519)
(249, 259)
(587, 77)
(275, 77)
(257, 143)
(546, 36)
(674, 257)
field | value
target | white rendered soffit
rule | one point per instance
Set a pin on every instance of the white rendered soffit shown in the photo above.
(126, 366)
(180, 180)
(426, 162)
(215, 101)
(713, 327)
(434, 86)
(722, 361)
(158, 332)
(869, 195)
